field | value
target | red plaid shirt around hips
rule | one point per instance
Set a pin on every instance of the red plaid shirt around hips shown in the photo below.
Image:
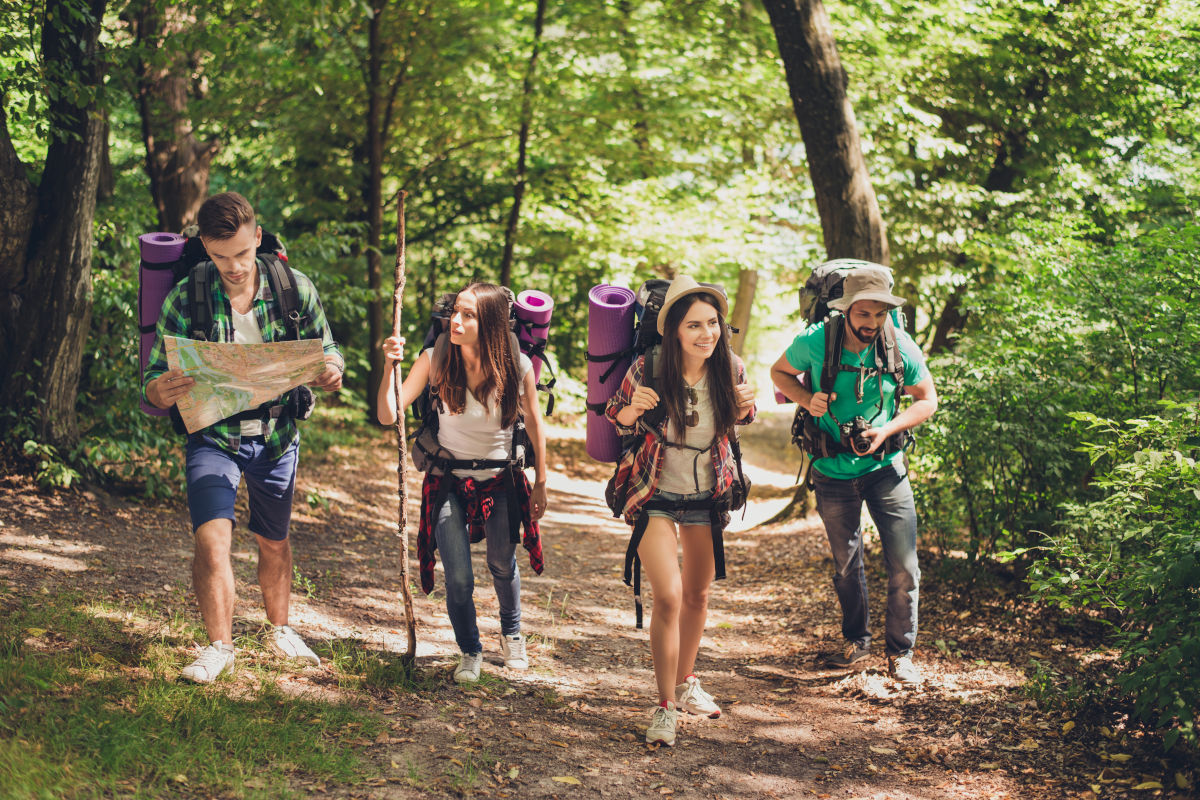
(642, 466)
(478, 501)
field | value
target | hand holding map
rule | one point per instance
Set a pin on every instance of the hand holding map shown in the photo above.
(231, 378)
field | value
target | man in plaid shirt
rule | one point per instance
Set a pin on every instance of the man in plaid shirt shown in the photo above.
(264, 449)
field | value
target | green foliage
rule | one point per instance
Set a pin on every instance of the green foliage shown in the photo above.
(1134, 552)
(1082, 328)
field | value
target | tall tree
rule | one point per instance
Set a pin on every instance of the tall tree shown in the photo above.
(46, 230)
(168, 78)
(846, 202)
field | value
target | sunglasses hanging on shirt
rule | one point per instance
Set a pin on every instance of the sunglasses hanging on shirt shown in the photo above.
(693, 416)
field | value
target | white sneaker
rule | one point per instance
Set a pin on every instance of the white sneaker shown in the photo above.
(513, 650)
(694, 700)
(662, 725)
(212, 661)
(287, 644)
(467, 670)
(902, 669)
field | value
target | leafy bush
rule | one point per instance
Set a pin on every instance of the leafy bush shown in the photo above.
(1135, 551)
(1079, 327)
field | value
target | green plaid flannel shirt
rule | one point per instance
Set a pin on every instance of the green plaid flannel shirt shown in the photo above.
(279, 432)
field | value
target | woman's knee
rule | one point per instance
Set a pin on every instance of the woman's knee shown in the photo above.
(503, 570)
(695, 598)
(668, 603)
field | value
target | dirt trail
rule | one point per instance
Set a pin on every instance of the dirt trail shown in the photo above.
(572, 724)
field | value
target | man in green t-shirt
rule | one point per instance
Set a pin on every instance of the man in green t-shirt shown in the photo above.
(866, 467)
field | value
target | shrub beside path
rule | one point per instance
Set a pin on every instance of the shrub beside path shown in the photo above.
(571, 726)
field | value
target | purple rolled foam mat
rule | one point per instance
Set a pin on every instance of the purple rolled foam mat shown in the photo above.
(610, 330)
(155, 279)
(534, 309)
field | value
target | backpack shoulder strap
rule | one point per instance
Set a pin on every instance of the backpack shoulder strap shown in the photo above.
(283, 286)
(199, 295)
(891, 356)
(835, 333)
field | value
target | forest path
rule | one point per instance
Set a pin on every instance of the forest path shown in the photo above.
(572, 725)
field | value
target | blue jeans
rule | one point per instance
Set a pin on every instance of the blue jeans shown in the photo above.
(454, 545)
(889, 500)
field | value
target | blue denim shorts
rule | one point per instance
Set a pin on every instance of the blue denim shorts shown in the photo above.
(213, 475)
(694, 516)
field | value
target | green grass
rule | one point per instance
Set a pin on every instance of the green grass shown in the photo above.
(372, 670)
(90, 707)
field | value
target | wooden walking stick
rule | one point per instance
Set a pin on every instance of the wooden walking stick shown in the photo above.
(410, 620)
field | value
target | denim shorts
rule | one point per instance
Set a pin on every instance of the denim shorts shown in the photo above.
(213, 476)
(693, 516)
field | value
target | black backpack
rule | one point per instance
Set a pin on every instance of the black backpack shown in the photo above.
(825, 284)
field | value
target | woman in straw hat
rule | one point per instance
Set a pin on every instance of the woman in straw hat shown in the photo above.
(682, 400)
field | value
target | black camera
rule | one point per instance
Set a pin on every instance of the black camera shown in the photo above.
(853, 435)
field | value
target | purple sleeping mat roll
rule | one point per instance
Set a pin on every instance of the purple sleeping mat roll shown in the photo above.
(610, 330)
(534, 308)
(155, 278)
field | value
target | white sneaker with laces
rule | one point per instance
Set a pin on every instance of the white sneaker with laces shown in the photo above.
(694, 700)
(468, 667)
(513, 650)
(213, 660)
(662, 725)
(286, 643)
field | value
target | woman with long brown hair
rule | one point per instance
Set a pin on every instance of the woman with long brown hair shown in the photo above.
(679, 481)
(485, 395)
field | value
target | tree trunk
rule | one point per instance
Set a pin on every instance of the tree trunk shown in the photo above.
(514, 216)
(849, 212)
(374, 198)
(846, 203)
(45, 274)
(743, 301)
(178, 165)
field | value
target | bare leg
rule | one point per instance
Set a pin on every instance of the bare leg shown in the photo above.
(212, 578)
(658, 554)
(275, 577)
(698, 571)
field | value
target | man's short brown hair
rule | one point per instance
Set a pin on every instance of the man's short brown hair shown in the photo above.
(224, 214)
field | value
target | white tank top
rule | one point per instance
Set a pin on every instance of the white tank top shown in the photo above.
(476, 433)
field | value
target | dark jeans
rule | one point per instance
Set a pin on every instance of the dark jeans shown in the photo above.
(889, 500)
(453, 543)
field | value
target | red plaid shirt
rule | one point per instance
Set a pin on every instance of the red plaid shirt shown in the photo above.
(642, 466)
(476, 497)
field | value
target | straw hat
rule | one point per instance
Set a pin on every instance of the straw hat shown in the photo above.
(685, 285)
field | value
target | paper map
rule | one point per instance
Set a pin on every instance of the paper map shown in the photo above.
(231, 378)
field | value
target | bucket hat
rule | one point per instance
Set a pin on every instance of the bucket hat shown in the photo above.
(867, 284)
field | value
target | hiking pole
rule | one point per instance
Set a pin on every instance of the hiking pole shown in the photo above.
(410, 620)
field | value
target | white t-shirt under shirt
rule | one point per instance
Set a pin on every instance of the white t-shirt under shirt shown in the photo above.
(245, 331)
(685, 470)
(476, 433)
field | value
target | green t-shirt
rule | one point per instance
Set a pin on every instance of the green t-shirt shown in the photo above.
(807, 354)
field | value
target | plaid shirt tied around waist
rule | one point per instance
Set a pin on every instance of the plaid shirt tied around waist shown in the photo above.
(478, 501)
